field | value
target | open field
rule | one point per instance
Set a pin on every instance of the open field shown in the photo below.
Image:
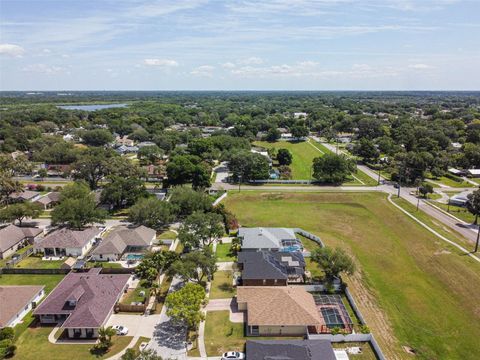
(302, 156)
(405, 274)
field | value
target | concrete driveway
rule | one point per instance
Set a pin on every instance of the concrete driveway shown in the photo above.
(138, 325)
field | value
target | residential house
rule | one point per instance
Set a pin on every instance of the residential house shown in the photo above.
(124, 140)
(62, 170)
(25, 195)
(49, 200)
(14, 237)
(274, 239)
(155, 172)
(279, 310)
(474, 173)
(122, 241)
(124, 149)
(17, 301)
(457, 172)
(145, 143)
(271, 268)
(263, 153)
(290, 350)
(67, 242)
(82, 302)
(298, 115)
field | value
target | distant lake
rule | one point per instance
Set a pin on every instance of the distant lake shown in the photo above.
(91, 107)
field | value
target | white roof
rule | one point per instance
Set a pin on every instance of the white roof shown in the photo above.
(265, 238)
(474, 171)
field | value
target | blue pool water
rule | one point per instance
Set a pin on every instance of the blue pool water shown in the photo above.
(135, 257)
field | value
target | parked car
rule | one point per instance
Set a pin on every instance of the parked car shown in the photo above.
(233, 355)
(121, 330)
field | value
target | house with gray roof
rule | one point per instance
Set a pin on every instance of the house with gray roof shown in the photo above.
(271, 268)
(289, 350)
(17, 301)
(14, 237)
(273, 239)
(49, 200)
(82, 302)
(122, 241)
(25, 195)
(68, 242)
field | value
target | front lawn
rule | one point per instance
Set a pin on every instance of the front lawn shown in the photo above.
(222, 285)
(223, 253)
(413, 289)
(33, 344)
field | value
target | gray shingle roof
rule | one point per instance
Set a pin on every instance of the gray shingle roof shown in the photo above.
(270, 264)
(12, 234)
(264, 238)
(67, 238)
(289, 350)
(96, 295)
(118, 239)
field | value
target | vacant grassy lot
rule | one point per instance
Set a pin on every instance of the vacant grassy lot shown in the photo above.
(302, 156)
(413, 289)
(222, 286)
(223, 252)
(33, 344)
(221, 335)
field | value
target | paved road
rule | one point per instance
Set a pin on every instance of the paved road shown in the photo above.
(169, 338)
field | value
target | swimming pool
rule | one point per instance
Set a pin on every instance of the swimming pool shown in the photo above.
(135, 257)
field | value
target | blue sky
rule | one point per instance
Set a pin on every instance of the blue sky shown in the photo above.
(239, 45)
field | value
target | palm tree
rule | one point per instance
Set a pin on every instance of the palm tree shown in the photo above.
(105, 335)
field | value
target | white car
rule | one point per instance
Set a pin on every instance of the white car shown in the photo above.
(121, 330)
(233, 355)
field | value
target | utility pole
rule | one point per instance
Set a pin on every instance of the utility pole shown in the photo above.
(239, 182)
(478, 238)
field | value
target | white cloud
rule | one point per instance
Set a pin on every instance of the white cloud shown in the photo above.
(43, 69)
(204, 70)
(253, 60)
(160, 62)
(11, 50)
(419, 66)
(228, 65)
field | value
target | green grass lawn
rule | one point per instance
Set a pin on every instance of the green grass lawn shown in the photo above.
(302, 156)
(367, 351)
(134, 295)
(36, 262)
(452, 183)
(223, 253)
(222, 285)
(167, 235)
(458, 211)
(50, 281)
(413, 289)
(104, 264)
(33, 344)
(221, 335)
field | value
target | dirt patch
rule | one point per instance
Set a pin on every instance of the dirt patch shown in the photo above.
(376, 319)
(441, 252)
(409, 350)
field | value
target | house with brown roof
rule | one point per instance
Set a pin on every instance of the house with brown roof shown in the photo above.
(278, 310)
(25, 195)
(82, 302)
(15, 237)
(122, 241)
(49, 200)
(68, 242)
(17, 301)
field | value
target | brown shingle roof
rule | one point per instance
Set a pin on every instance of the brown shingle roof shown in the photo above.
(13, 299)
(67, 238)
(279, 305)
(96, 294)
(12, 234)
(24, 195)
(119, 238)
